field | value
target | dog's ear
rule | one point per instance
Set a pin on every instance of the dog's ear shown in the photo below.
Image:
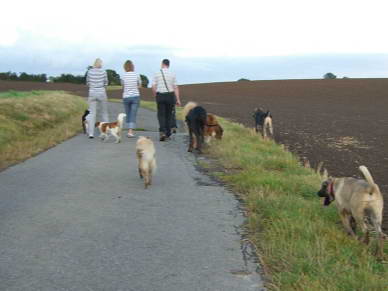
(97, 124)
(325, 175)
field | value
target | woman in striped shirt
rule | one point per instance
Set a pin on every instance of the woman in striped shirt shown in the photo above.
(131, 83)
(97, 80)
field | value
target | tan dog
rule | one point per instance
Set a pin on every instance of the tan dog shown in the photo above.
(212, 128)
(145, 152)
(356, 201)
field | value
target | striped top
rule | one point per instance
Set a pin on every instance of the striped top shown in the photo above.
(130, 82)
(96, 79)
(159, 84)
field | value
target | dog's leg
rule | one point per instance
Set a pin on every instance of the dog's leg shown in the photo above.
(149, 176)
(359, 218)
(353, 224)
(345, 218)
(114, 133)
(191, 139)
(377, 219)
(140, 173)
(146, 178)
(199, 134)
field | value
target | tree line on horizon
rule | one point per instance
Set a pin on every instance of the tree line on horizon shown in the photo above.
(113, 78)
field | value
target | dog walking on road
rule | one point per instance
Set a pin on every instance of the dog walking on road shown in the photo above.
(145, 152)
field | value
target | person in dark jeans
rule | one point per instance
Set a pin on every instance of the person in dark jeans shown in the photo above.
(166, 91)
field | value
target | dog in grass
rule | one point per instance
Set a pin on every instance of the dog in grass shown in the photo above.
(111, 128)
(357, 201)
(195, 117)
(84, 121)
(145, 153)
(212, 128)
(263, 121)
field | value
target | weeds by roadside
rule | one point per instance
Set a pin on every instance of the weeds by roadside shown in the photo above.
(31, 122)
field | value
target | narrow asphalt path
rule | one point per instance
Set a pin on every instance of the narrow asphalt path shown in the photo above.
(77, 217)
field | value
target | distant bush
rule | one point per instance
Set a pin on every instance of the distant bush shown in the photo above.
(68, 78)
(144, 81)
(329, 76)
(113, 77)
(10, 76)
(242, 79)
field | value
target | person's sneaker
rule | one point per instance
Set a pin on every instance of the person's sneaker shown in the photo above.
(173, 130)
(162, 137)
(91, 136)
(130, 135)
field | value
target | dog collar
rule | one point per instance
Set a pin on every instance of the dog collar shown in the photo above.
(331, 189)
(211, 124)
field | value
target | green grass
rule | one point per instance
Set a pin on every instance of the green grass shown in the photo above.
(301, 244)
(18, 94)
(31, 122)
(114, 87)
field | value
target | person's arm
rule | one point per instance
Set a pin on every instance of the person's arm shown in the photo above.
(105, 79)
(87, 78)
(154, 86)
(139, 81)
(176, 90)
(178, 99)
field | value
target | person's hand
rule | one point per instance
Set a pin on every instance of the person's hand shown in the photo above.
(178, 102)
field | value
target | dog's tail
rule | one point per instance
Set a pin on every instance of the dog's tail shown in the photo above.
(190, 105)
(368, 177)
(120, 119)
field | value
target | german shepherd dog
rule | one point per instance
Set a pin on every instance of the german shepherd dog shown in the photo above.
(263, 120)
(84, 121)
(356, 201)
(195, 117)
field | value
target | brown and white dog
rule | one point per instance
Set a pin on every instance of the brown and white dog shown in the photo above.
(356, 200)
(111, 128)
(145, 152)
(212, 128)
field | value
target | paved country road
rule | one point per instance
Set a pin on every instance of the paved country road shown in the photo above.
(77, 217)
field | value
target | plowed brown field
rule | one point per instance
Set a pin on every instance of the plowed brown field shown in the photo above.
(343, 123)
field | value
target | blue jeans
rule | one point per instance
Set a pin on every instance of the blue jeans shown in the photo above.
(131, 104)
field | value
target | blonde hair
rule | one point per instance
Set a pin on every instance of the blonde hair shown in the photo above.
(128, 66)
(97, 63)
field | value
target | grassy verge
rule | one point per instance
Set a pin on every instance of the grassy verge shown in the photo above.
(301, 244)
(31, 122)
(114, 87)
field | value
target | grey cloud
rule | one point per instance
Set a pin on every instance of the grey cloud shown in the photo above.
(46, 56)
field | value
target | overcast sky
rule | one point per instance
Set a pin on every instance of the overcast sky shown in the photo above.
(206, 41)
